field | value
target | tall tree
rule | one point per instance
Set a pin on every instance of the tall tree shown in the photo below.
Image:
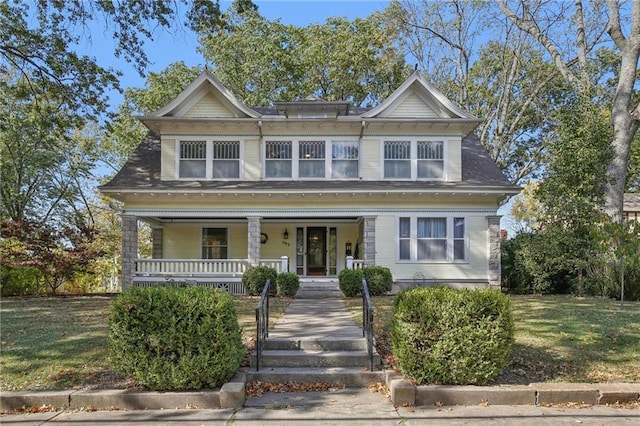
(570, 36)
(263, 61)
(504, 81)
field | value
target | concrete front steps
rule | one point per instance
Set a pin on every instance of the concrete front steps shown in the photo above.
(318, 288)
(337, 361)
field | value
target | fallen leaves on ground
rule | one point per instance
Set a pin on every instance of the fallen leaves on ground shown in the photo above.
(259, 388)
(33, 409)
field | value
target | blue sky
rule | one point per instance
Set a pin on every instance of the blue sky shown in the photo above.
(181, 44)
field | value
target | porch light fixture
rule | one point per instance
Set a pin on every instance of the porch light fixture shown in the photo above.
(285, 235)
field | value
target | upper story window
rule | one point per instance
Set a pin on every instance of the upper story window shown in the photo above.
(310, 159)
(415, 159)
(278, 159)
(432, 239)
(209, 159)
(193, 159)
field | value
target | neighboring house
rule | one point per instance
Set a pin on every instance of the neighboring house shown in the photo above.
(313, 187)
(631, 207)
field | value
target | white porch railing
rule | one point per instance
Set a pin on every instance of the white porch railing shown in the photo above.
(201, 267)
(351, 263)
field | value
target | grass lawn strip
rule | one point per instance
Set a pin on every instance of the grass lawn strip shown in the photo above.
(57, 343)
(557, 339)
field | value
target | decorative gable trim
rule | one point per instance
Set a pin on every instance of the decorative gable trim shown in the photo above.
(417, 86)
(205, 83)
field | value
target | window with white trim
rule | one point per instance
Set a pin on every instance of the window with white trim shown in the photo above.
(193, 159)
(311, 159)
(226, 160)
(344, 160)
(278, 159)
(215, 243)
(209, 159)
(432, 239)
(414, 159)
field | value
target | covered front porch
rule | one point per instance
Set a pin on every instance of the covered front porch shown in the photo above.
(215, 252)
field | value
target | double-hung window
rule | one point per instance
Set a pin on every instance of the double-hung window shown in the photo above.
(226, 160)
(208, 159)
(193, 159)
(414, 159)
(432, 239)
(278, 159)
(311, 159)
(344, 160)
(215, 243)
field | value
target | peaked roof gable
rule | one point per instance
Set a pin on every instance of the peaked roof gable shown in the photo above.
(206, 96)
(416, 97)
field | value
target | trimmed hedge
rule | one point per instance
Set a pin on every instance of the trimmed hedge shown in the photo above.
(379, 279)
(255, 278)
(168, 338)
(287, 283)
(350, 282)
(445, 336)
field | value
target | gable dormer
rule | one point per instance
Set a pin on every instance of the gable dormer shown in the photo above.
(205, 98)
(417, 98)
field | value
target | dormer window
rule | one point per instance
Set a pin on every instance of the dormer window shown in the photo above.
(413, 159)
(209, 159)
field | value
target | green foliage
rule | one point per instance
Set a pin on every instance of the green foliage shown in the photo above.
(447, 336)
(379, 279)
(255, 278)
(19, 280)
(350, 282)
(262, 61)
(175, 338)
(287, 284)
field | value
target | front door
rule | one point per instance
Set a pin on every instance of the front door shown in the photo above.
(317, 251)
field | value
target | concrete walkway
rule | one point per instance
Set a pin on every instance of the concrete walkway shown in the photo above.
(316, 319)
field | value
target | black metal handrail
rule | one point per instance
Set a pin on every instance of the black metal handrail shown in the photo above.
(367, 320)
(262, 321)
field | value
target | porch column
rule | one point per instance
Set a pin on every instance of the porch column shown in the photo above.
(493, 243)
(156, 238)
(253, 236)
(369, 240)
(129, 249)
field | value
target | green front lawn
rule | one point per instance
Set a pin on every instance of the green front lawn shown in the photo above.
(61, 342)
(557, 338)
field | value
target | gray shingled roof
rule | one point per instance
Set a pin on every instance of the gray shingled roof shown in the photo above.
(142, 171)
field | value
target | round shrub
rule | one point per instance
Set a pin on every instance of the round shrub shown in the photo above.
(379, 279)
(168, 338)
(445, 336)
(288, 284)
(350, 282)
(255, 278)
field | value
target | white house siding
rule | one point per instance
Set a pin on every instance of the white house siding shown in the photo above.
(168, 158)
(182, 242)
(209, 106)
(454, 159)
(370, 159)
(252, 165)
(476, 268)
(413, 106)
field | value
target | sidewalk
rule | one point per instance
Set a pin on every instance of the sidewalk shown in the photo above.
(348, 406)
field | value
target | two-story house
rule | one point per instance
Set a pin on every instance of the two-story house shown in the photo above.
(313, 187)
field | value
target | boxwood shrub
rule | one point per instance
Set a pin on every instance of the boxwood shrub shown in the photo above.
(445, 336)
(379, 279)
(350, 282)
(287, 283)
(168, 338)
(255, 278)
